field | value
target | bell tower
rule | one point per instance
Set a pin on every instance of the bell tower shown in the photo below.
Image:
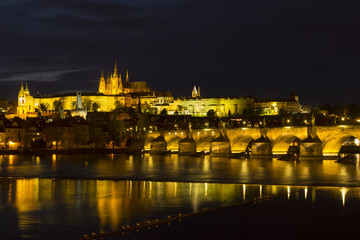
(26, 104)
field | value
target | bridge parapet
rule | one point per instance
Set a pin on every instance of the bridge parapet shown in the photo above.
(331, 137)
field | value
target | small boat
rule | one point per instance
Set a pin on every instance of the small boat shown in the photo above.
(288, 157)
(347, 159)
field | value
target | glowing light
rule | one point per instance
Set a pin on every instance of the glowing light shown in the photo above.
(54, 160)
(150, 189)
(288, 120)
(343, 194)
(244, 191)
(342, 119)
(288, 192)
(279, 153)
(206, 189)
(11, 159)
(330, 154)
(260, 189)
(306, 192)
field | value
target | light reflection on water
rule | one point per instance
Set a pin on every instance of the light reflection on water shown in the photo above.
(69, 208)
(68, 195)
(183, 169)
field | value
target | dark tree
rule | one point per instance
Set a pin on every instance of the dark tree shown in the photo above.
(211, 113)
(163, 112)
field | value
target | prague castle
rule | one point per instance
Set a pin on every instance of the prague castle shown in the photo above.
(113, 92)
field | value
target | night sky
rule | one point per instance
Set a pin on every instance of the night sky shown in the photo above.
(229, 48)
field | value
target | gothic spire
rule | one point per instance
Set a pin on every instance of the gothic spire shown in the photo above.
(108, 77)
(115, 69)
(127, 76)
(102, 82)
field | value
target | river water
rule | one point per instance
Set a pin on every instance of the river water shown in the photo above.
(66, 196)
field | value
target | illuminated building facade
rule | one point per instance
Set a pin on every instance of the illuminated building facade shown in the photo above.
(274, 106)
(26, 103)
(199, 106)
(112, 93)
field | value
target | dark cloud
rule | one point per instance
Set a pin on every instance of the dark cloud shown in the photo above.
(238, 48)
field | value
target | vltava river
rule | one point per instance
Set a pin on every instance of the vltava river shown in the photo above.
(66, 196)
(176, 168)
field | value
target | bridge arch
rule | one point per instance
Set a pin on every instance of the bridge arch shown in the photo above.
(333, 144)
(282, 144)
(241, 143)
(204, 143)
(173, 143)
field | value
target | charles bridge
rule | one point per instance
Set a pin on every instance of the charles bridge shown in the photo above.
(311, 141)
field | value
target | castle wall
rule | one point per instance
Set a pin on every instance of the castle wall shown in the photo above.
(200, 106)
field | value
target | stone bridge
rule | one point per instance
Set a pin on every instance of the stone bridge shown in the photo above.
(312, 141)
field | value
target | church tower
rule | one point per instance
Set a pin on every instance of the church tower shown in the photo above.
(195, 92)
(115, 82)
(26, 103)
(102, 83)
(108, 84)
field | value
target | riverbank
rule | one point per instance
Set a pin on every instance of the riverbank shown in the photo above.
(65, 151)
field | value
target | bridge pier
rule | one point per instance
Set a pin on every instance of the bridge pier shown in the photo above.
(158, 145)
(261, 146)
(220, 147)
(187, 146)
(311, 147)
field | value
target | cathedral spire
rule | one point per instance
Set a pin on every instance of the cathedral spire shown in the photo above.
(194, 92)
(108, 77)
(115, 69)
(22, 86)
(127, 76)
(102, 82)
